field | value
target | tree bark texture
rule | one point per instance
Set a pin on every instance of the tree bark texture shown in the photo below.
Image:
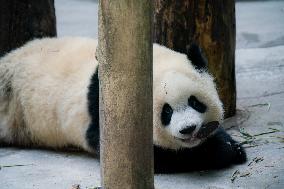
(210, 24)
(24, 20)
(125, 71)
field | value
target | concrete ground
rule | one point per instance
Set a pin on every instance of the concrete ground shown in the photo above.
(259, 123)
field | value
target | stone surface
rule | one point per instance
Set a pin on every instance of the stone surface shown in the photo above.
(260, 86)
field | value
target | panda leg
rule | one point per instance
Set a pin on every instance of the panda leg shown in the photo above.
(93, 131)
(218, 151)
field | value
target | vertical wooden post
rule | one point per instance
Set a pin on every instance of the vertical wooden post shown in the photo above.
(212, 25)
(125, 71)
(21, 21)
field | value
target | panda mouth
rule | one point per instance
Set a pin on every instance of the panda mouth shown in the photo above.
(187, 140)
(205, 131)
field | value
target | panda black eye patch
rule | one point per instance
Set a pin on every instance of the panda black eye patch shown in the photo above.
(196, 104)
(166, 115)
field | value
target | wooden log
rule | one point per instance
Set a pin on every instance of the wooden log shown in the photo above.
(125, 72)
(24, 20)
(212, 25)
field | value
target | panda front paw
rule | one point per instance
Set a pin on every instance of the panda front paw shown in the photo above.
(218, 151)
(240, 154)
(225, 150)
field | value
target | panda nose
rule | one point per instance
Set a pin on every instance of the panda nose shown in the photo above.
(188, 130)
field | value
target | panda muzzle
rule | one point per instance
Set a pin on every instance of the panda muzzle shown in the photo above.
(207, 129)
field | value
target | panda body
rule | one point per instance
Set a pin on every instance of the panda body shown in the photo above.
(48, 81)
(49, 97)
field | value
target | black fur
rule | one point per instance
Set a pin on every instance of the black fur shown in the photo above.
(197, 58)
(218, 151)
(93, 132)
(196, 104)
(188, 130)
(166, 114)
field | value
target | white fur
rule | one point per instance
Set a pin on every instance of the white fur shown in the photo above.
(49, 79)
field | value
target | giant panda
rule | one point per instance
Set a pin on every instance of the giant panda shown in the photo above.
(49, 97)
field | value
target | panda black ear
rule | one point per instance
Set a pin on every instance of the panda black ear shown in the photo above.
(195, 55)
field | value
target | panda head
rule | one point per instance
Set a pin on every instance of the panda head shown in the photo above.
(186, 105)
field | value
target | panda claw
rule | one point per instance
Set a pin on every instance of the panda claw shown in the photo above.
(240, 153)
